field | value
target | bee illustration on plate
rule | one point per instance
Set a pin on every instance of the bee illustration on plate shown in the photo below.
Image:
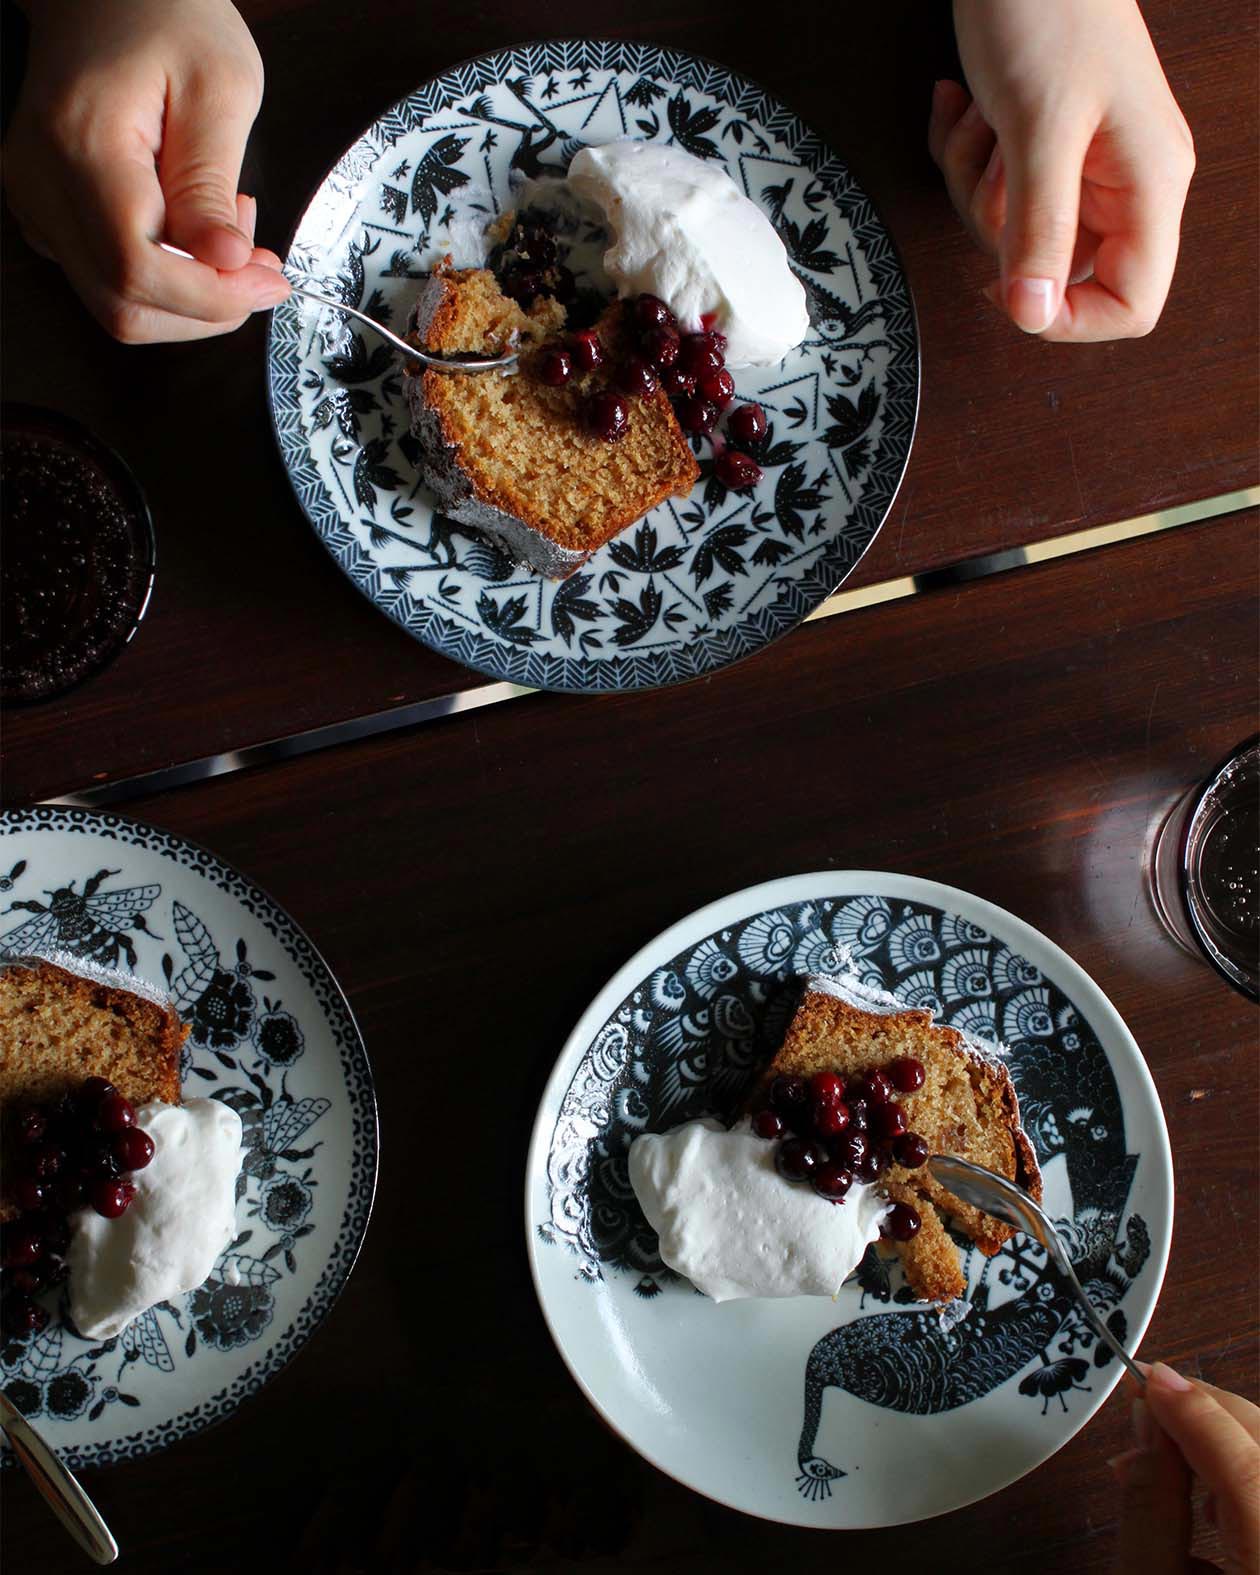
(92, 924)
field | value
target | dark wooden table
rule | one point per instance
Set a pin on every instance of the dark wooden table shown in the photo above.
(1019, 736)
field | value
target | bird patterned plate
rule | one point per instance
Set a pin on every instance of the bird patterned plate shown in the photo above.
(872, 1409)
(699, 582)
(271, 1036)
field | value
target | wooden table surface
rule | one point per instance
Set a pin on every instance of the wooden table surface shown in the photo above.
(1019, 736)
(254, 634)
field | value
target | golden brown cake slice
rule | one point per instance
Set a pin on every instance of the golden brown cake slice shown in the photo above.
(518, 459)
(966, 1107)
(58, 1028)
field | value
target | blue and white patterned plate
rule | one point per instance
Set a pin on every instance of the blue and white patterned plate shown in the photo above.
(872, 1410)
(272, 1036)
(701, 581)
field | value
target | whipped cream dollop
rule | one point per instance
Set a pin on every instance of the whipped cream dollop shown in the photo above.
(683, 230)
(182, 1217)
(731, 1224)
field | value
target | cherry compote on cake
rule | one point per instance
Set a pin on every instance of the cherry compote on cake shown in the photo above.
(76, 1152)
(832, 1133)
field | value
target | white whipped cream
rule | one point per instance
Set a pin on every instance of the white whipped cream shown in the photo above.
(734, 1227)
(182, 1217)
(684, 231)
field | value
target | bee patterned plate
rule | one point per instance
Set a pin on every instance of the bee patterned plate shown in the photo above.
(271, 1036)
(701, 581)
(870, 1410)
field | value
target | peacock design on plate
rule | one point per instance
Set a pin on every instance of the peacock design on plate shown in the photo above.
(686, 1043)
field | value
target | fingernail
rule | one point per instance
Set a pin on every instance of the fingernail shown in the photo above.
(1164, 1377)
(1143, 1428)
(1032, 303)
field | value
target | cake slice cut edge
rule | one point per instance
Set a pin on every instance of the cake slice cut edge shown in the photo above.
(967, 1107)
(513, 457)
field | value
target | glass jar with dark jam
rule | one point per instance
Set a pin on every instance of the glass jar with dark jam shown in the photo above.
(76, 554)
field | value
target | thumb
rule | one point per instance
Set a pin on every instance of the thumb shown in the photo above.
(1155, 1514)
(1043, 199)
(203, 145)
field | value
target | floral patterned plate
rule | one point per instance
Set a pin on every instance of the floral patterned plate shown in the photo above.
(870, 1410)
(702, 581)
(272, 1036)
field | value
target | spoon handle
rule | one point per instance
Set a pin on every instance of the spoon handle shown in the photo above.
(57, 1486)
(1064, 1265)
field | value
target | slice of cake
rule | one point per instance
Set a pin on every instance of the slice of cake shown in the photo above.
(58, 1028)
(550, 471)
(964, 1104)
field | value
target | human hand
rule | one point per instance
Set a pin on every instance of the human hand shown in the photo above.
(130, 130)
(1186, 1430)
(1070, 163)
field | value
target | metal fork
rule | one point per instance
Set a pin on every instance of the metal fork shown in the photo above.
(994, 1194)
(437, 362)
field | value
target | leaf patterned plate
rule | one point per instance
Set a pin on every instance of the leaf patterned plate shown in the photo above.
(271, 1035)
(701, 581)
(870, 1410)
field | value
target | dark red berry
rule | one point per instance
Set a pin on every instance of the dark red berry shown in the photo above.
(586, 350)
(788, 1095)
(523, 284)
(718, 341)
(878, 1088)
(22, 1316)
(95, 1089)
(828, 1119)
(859, 1112)
(564, 285)
(55, 1231)
(133, 1149)
(832, 1181)
(660, 346)
(651, 312)
(30, 1194)
(69, 1193)
(717, 387)
(98, 1162)
(906, 1074)
(677, 383)
(608, 416)
(902, 1222)
(112, 1198)
(31, 1127)
(698, 354)
(28, 1281)
(768, 1124)
(636, 378)
(23, 1245)
(856, 1146)
(873, 1166)
(555, 367)
(697, 415)
(798, 1159)
(736, 470)
(747, 424)
(827, 1086)
(44, 1161)
(910, 1150)
(889, 1121)
(114, 1113)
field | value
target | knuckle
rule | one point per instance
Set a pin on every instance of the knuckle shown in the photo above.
(1045, 226)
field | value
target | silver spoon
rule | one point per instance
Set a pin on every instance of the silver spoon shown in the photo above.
(995, 1195)
(57, 1486)
(476, 363)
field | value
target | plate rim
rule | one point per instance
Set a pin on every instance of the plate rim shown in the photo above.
(745, 903)
(62, 817)
(501, 672)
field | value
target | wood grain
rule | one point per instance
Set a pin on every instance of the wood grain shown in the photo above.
(476, 882)
(253, 633)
